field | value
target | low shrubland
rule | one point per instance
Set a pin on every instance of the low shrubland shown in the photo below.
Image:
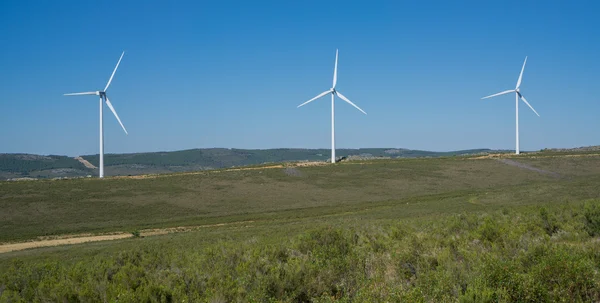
(521, 254)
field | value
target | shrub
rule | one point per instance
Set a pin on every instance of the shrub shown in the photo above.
(549, 222)
(490, 230)
(466, 258)
(591, 214)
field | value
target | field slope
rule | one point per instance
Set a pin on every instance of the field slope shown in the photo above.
(436, 229)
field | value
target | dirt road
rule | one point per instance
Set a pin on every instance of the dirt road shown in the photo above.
(83, 238)
(4, 248)
(529, 167)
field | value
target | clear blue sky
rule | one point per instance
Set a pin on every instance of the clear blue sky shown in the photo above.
(202, 74)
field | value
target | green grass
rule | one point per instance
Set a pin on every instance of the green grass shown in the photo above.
(39, 208)
(444, 229)
(522, 254)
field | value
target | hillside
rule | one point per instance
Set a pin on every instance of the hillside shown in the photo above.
(36, 166)
(85, 205)
(449, 229)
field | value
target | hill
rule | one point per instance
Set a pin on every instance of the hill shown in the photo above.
(36, 166)
(449, 229)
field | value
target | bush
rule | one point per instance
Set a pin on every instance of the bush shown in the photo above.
(549, 222)
(501, 256)
(591, 213)
(490, 230)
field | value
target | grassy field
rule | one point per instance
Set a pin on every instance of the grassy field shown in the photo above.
(40, 208)
(441, 229)
(48, 167)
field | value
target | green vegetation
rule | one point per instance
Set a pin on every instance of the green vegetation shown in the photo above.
(502, 256)
(24, 165)
(440, 185)
(415, 230)
(35, 166)
(224, 157)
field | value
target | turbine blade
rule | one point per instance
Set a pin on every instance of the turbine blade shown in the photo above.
(315, 98)
(78, 94)
(498, 94)
(335, 69)
(521, 75)
(115, 113)
(114, 71)
(523, 98)
(350, 102)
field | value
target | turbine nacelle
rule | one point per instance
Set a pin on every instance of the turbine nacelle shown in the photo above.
(517, 90)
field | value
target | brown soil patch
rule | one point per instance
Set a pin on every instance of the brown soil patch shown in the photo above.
(153, 176)
(85, 162)
(300, 164)
(202, 172)
(250, 168)
(493, 156)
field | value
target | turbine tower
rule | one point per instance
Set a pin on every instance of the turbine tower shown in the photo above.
(333, 93)
(104, 98)
(518, 96)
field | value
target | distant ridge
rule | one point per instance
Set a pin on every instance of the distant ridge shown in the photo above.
(54, 166)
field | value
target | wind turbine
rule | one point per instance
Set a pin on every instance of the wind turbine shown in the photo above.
(518, 95)
(103, 97)
(333, 93)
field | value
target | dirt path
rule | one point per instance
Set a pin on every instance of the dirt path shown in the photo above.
(84, 238)
(4, 248)
(529, 167)
(85, 162)
(217, 171)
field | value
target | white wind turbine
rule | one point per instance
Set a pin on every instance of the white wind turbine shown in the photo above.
(517, 96)
(103, 97)
(333, 93)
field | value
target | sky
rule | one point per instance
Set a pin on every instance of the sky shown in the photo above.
(201, 74)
